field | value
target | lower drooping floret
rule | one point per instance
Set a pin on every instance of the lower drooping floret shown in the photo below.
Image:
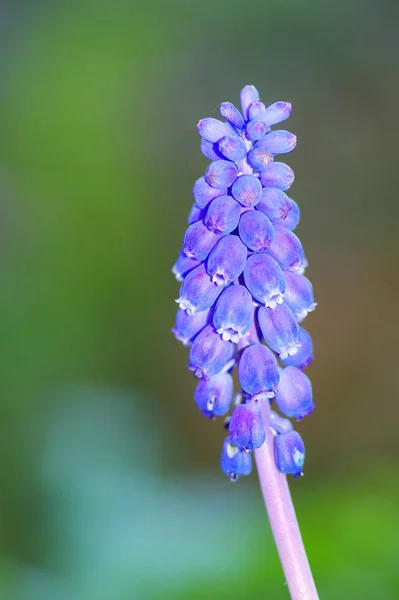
(243, 290)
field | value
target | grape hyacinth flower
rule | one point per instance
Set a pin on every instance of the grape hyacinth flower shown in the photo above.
(243, 294)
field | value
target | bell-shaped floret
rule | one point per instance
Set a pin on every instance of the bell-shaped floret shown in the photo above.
(232, 148)
(264, 279)
(276, 113)
(259, 158)
(274, 203)
(246, 427)
(289, 453)
(220, 174)
(203, 193)
(304, 356)
(187, 326)
(256, 230)
(257, 371)
(209, 353)
(213, 130)
(247, 189)
(292, 218)
(227, 260)
(249, 95)
(257, 111)
(223, 215)
(278, 175)
(232, 114)
(199, 241)
(255, 130)
(235, 462)
(298, 294)
(280, 329)
(183, 265)
(233, 314)
(286, 249)
(213, 396)
(278, 142)
(294, 393)
(198, 292)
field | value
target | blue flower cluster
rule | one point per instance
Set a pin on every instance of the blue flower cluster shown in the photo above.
(241, 270)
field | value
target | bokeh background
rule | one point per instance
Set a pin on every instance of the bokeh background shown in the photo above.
(109, 479)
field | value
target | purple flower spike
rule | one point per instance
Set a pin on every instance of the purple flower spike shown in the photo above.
(304, 356)
(294, 393)
(277, 175)
(232, 114)
(264, 279)
(249, 95)
(289, 453)
(232, 148)
(221, 174)
(257, 371)
(241, 271)
(203, 193)
(223, 215)
(286, 249)
(209, 354)
(249, 282)
(280, 330)
(235, 462)
(247, 190)
(199, 241)
(198, 292)
(256, 230)
(234, 313)
(299, 295)
(213, 130)
(187, 326)
(246, 428)
(213, 396)
(227, 260)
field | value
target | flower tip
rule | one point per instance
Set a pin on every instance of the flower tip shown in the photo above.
(200, 126)
(306, 412)
(180, 338)
(250, 89)
(285, 108)
(177, 274)
(198, 372)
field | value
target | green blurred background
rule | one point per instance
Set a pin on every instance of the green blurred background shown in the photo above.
(110, 487)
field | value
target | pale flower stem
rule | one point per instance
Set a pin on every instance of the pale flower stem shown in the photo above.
(283, 519)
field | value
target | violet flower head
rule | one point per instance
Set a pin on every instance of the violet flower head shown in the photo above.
(243, 292)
